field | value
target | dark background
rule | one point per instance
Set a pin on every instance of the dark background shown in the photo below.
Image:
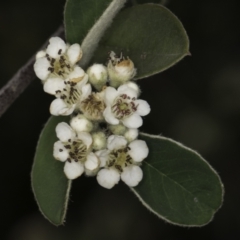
(196, 102)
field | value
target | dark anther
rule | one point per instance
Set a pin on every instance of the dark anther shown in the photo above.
(59, 51)
(60, 150)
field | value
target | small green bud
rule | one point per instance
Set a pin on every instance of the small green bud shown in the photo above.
(119, 129)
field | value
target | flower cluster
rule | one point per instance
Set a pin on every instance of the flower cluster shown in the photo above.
(101, 138)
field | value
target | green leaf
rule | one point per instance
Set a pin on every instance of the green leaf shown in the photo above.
(50, 186)
(86, 21)
(150, 35)
(179, 186)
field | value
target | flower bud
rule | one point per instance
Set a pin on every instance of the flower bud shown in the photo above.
(99, 140)
(131, 134)
(97, 76)
(120, 70)
(118, 129)
(81, 124)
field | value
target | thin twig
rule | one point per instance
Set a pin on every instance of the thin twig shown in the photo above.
(20, 81)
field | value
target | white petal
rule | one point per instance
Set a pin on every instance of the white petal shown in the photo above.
(109, 117)
(132, 175)
(52, 85)
(138, 150)
(134, 121)
(131, 134)
(124, 89)
(40, 54)
(67, 110)
(86, 138)
(73, 169)
(76, 73)
(86, 91)
(74, 53)
(41, 68)
(103, 157)
(108, 178)
(92, 162)
(110, 94)
(64, 132)
(59, 151)
(59, 107)
(134, 86)
(56, 45)
(116, 142)
(143, 107)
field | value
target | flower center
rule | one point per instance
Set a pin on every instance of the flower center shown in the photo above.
(69, 94)
(119, 159)
(124, 106)
(93, 106)
(60, 66)
(77, 150)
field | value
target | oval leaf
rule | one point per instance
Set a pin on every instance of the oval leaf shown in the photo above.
(150, 35)
(50, 186)
(179, 186)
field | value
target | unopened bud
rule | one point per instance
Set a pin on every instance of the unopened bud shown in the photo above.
(120, 70)
(131, 134)
(97, 76)
(99, 140)
(118, 129)
(81, 124)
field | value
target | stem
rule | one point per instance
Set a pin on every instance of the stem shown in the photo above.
(20, 81)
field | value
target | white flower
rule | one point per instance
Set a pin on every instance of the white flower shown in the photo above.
(121, 160)
(58, 60)
(123, 106)
(75, 150)
(120, 70)
(92, 105)
(68, 92)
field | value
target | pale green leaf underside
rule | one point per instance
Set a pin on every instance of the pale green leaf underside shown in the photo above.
(149, 34)
(50, 186)
(178, 184)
